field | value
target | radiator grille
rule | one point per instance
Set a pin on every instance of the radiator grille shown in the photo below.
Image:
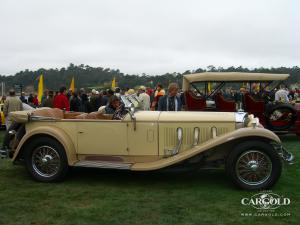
(222, 130)
(170, 136)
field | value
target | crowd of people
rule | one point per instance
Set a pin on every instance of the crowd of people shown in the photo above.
(108, 100)
(279, 94)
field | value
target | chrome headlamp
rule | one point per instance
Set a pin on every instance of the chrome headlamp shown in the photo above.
(241, 119)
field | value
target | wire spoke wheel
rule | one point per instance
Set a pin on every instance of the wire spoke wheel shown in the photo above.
(253, 167)
(46, 161)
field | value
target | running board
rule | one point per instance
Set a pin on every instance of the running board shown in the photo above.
(280, 132)
(103, 164)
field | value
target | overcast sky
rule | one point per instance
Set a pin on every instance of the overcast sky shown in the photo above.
(148, 36)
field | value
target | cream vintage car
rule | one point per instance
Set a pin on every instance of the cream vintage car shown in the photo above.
(50, 141)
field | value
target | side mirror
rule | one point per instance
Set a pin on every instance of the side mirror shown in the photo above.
(131, 108)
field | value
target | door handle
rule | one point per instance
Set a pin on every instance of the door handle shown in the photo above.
(80, 132)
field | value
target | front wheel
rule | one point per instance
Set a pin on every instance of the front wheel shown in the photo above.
(254, 165)
(46, 160)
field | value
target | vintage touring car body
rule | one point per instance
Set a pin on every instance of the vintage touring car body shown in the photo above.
(50, 141)
(204, 92)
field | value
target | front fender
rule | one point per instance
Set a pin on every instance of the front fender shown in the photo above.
(214, 142)
(56, 133)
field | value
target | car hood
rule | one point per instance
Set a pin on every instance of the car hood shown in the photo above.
(197, 116)
(185, 116)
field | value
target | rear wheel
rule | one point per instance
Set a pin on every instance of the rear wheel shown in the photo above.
(46, 160)
(254, 165)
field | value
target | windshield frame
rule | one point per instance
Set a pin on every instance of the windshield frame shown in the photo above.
(269, 83)
(130, 101)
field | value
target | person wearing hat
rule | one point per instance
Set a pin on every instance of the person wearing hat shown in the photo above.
(94, 100)
(144, 98)
(130, 92)
(11, 104)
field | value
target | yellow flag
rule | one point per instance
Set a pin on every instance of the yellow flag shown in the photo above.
(40, 88)
(258, 87)
(113, 83)
(267, 88)
(209, 87)
(72, 85)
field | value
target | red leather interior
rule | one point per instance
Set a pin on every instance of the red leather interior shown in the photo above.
(252, 105)
(193, 102)
(224, 105)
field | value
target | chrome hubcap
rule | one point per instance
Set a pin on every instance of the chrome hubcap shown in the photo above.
(253, 167)
(45, 161)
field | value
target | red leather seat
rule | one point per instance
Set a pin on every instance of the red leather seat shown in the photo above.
(193, 102)
(252, 105)
(224, 105)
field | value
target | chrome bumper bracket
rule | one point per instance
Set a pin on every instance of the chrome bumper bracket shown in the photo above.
(287, 156)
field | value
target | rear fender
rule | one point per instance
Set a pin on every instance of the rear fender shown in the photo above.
(235, 136)
(54, 132)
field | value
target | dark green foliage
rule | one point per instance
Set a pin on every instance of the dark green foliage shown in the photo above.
(87, 76)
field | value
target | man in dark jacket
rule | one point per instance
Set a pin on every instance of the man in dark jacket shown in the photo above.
(23, 98)
(104, 98)
(48, 102)
(85, 104)
(75, 102)
(170, 102)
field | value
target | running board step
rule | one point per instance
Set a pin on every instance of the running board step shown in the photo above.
(103, 164)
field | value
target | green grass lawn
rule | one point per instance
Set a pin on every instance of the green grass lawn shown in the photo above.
(90, 196)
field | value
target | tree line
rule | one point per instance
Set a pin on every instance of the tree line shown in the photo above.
(97, 77)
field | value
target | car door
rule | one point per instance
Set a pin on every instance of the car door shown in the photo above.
(102, 137)
(143, 140)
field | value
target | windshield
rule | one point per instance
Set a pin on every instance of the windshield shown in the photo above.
(208, 89)
(130, 101)
(204, 88)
